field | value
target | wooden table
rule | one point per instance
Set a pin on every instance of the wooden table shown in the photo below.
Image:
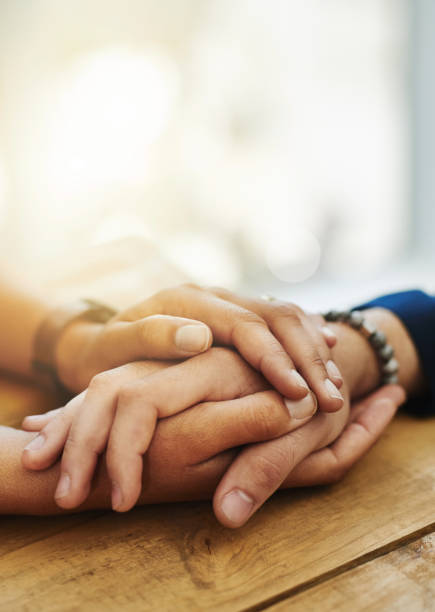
(367, 543)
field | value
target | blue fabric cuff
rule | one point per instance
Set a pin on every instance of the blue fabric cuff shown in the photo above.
(417, 311)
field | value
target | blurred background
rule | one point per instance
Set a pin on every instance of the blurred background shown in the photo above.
(279, 146)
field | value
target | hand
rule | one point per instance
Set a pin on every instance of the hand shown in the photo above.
(276, 338)
(120, 409)
(85, 349)
(190, 452)
(293, 459)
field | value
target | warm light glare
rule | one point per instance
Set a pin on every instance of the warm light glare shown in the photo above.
(204, 258)
(246, 139)
(294, 255)
(108, 110)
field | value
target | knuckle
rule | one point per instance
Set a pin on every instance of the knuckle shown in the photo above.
(101, 381)
(128, 394)
(269, 470)
(74, 444)
(268, 360)
(317, 362)
(268, 419)
(190, 286)
(219, 292)
(62, 419)
(244, 323)
(88, 443)
(144, 327)
(292, 313)
(337, 474)
(337, 471)
(165, 296)
(312, 360)
(220, 356)
(246, 318)
(151, 319)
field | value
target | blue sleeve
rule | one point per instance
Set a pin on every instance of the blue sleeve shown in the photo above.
(416, 309)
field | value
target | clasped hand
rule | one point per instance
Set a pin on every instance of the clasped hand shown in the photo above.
(209, 406)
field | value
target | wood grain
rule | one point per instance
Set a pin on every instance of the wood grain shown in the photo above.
(402, 580)
(177, 556)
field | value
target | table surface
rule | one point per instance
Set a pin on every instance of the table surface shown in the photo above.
(367, 543)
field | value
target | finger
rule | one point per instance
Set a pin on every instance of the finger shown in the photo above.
(314, 329)
(53, 426)
(330, 337)
(325, 339)
(330, 464)
(160, 395)
(36, 422)
(213, 427)
(305, 344)
(130, 436)
(232, 325)
(44, 450)
(153, 337)
(310, 357)
(219, 374)
(86, 440)
(164, 392)
(93, 414)
(258, 471)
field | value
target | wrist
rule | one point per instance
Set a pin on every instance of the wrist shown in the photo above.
(61, 343)
(358, 360)
(411, 376)
(71, 353)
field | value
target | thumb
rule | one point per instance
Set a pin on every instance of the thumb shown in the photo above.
(395, 394)
(368, 420)
(153, 337)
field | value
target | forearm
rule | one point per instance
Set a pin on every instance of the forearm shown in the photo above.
(164, 479)
(21, 313)
(358, 361)
(23, 491)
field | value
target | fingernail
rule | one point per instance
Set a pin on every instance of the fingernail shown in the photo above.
(36, 443)
(332, 390)
(303, 408)
(328, 333)
(63, 486)
(192, 338)
(333, 371)
(237, 506)
(116, 496)
(298, 380)
(33, 417)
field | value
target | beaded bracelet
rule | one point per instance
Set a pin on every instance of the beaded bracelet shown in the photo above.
(384, 351)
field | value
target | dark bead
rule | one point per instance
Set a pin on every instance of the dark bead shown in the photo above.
(356, 319)
(391, 379)
(391, 367)
(378, 340)
(386, 353)
(332, 315)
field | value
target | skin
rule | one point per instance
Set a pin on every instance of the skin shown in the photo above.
(192, 450)
(262, 468)
(275, 338)
(100, 347)
(120, 409)
(248, 330)
(152, 330)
